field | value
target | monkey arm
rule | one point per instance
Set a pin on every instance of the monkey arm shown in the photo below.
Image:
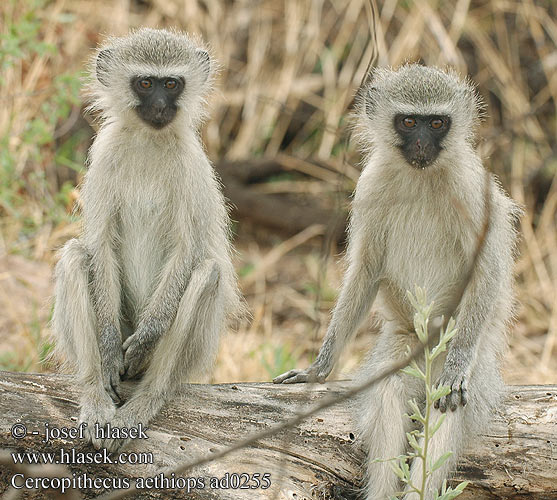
(492, 267)
(160, 312)
(357, 294)
(106, 292)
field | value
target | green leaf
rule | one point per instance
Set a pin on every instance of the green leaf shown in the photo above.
(412, 300)
(397, 470)
(413, 372)
(417, 413)
(413, 442)
(440, 392)
(435, 427)
(441, 460)
(405, 469)
(462, 485)
(438, 349)
(450, 493)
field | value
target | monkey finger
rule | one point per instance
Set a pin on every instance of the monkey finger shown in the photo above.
(128, 360)
(127, 342)
(108, 387)
(453, 402)
(281, 378)
(116, 389)
(132, 367)
(464, 395)
(297, 379)
(110, 383)
(464, 392)
(129, 373)
(443, 404)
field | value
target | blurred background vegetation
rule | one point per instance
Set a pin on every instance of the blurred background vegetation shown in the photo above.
(278, 137)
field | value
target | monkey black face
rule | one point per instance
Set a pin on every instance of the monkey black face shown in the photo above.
(421, 137)
(157, 98)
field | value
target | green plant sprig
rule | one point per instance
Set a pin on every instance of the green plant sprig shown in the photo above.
(419, 439)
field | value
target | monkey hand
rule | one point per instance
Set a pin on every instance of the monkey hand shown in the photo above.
(112, 361)
(137, 349)
(314, 373)
(456, 379)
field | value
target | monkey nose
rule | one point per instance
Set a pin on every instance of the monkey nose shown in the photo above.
(159, 106)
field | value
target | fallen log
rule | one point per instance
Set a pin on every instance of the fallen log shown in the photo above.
(284, 213)
(517, 458)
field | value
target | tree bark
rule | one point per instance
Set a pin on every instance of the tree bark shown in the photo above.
(517, 458)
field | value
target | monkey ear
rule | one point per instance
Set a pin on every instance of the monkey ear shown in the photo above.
(103, 59)
(205, 60)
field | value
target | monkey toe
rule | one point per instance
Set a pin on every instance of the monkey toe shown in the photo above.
(296, 376)
(282, 378)
(293, 377)
(114, 445)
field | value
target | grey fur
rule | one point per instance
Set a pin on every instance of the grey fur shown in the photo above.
(149, 285)
(420, 227)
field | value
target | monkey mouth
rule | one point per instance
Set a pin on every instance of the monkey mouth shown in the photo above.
(419, 160)
(421, 163)
(159, 124)
(157, 120)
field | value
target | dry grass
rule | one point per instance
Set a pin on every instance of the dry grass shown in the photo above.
(289, 71)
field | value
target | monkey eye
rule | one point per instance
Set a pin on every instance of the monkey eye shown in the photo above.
(436, 123)
(145, 83)
(409, 122)
(170, 84)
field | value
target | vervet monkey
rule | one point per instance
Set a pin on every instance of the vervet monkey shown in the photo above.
(147, 288)
(417, 216)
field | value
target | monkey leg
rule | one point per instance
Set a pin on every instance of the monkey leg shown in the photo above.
(460, 427)
(74, 322)
(187, 350)
(382, 421)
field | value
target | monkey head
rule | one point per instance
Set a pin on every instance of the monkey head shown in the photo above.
(155, 77)
(417, 114)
